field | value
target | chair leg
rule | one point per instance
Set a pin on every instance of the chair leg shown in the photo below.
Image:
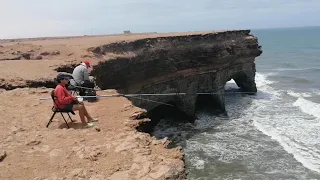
(70, 117)
(51, 119)
(75, 93)
(65, 120)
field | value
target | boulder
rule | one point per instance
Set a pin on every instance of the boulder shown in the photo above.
(45, 53)
(26, 55)
(55, 53)
(37, 57)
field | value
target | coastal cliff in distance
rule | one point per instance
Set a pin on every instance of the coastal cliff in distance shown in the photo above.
(192, 64)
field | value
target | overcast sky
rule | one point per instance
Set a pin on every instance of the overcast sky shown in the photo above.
(33, 18)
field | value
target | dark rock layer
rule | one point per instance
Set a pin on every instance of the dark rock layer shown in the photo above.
(189, 64)
(48, 83)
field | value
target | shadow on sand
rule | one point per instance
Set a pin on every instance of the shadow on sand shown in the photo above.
(74, 125)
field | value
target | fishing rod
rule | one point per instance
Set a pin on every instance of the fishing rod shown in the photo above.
(164, 94)
(152, 101)
(167, 94)
(113, 95)
(134, 96)
(177, 94)
(80, 87)
(116, 95)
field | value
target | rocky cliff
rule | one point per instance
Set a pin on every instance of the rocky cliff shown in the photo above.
(189, 64)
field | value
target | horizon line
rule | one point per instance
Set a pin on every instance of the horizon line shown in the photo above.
(112, 34)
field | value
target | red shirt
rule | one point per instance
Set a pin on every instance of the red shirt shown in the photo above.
(63, 97)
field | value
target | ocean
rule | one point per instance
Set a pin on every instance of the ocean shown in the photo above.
(274, 134)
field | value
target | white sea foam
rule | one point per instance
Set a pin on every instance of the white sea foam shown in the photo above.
(262, 81)
(231, 85)
(308, 107)
(308, 157)
(297, 95)
(296, 132)
(238, 137)
(296, 69)
(316, 92)
(199, 164)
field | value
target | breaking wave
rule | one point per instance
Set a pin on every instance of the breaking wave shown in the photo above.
(256, 137)
(298, 69)
(297, 132)
(306, 106)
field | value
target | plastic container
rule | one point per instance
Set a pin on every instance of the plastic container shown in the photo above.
(80, 99)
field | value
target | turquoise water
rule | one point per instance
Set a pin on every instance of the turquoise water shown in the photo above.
(273, 135)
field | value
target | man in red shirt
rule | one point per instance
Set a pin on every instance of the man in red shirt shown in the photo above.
(64, 100)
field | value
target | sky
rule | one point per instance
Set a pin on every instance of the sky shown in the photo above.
(36, 18)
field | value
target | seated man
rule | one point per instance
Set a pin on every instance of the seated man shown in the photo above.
(66, 101)
(68, 86)
(81, 77)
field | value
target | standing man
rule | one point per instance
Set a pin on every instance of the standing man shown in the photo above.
(80, 75)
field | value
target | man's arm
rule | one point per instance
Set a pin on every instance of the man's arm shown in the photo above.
(86, 75)
(59, 92)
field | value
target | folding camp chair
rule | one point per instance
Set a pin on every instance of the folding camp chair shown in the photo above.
(73, 88)
(61, 111)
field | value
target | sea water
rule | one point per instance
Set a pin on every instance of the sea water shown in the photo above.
(272, 135)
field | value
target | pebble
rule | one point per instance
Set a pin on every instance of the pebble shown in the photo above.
(15, 130)
(77, 173)
(33, 143)
(97, 128)
(120, 175)
(127, 107)
(140, 159)
(144, 170)
(128, 144)
(159, 171)
(139, 115)
(97, 177)
(9, 139)
(55, 153)
(3, 154)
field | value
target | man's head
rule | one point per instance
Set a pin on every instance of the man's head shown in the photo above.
(62, 79)
(87, 63)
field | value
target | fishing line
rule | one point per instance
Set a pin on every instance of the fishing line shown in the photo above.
(136, 96)
(166, 94)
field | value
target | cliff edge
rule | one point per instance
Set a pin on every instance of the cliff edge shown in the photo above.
(192, 64)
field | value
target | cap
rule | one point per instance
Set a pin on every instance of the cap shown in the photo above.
(87, 63)
(62, 77)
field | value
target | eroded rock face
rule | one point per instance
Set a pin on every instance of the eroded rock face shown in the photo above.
(188, 64)
(18, 83)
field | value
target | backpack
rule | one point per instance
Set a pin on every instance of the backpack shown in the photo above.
(91, 93)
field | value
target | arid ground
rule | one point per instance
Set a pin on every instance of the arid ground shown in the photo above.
(113, 149)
